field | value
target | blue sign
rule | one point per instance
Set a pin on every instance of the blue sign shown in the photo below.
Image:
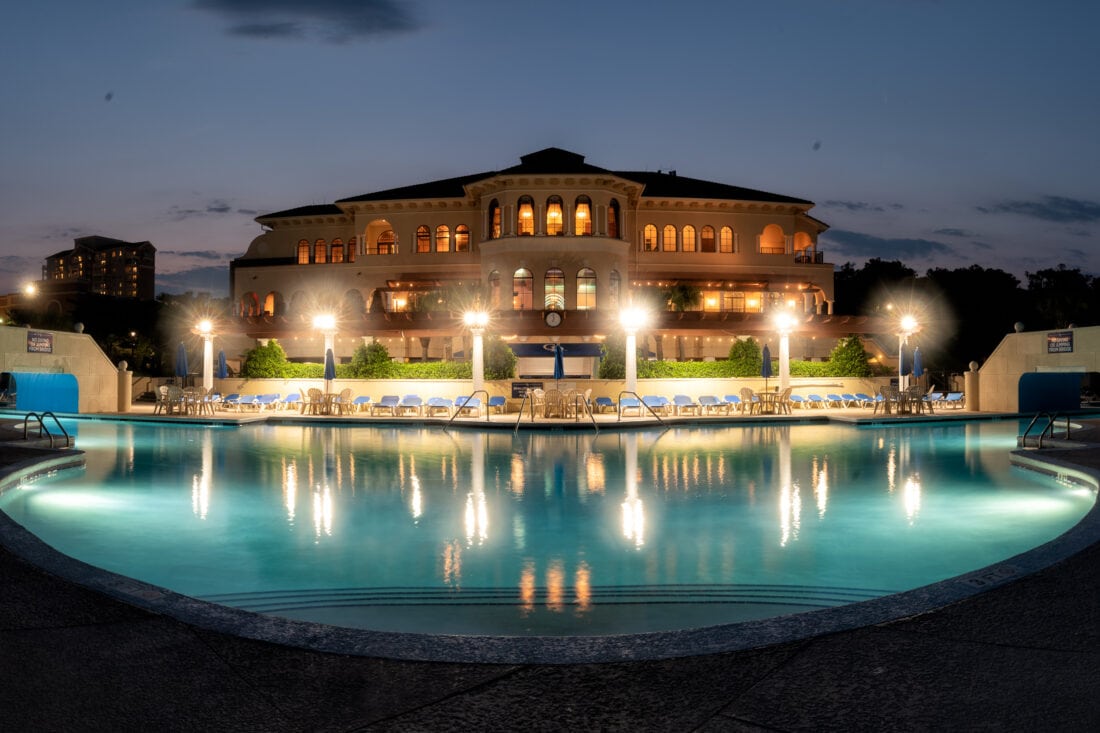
(39, 342)
(1060, 342)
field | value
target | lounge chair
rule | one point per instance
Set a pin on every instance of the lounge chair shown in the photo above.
(438, 404)
(411, 403)
(682, 403)
(952, 399)
(290, 401)
(835, 400)
(466, 404)
(865, 400)
(246, 400)
(605, 404)
(361, 403)
(498, 403)
(850, 400)
(627, 404)
(733, 402)
(711, 405)
(388, 403)
(230, 400)
(658, 404)
(264, 401)
(816, 400)
(797, 400)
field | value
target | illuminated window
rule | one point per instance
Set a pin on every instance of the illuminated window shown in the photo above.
(522, 290)
(303, 252)
(494, 290)
(553, 284)
(494, 219)
(462, 238)
(614, 285)
(586, 289)
(712, 300)
(337, 250)
(733, 302)
(706, 239)
(668, 238)
(554, 222)
(442, 238)
(423, 239)
(613, 219)
(526, 211)
(649, 238)
(320, 251)
(725, 240)
(582, 217)
(387, 243)
(353, 245)
(688, 244)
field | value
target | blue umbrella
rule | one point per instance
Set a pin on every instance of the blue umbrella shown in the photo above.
(918, 368)
(181, 361)
(330, 366)
(223, 368)
(906, 365)
(766, 366)
(559, 362)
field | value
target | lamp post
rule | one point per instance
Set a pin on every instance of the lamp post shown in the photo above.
(326, 324)
(784, 323)
(907, 325)
(632, 319)
(205, 328)
(476, 321)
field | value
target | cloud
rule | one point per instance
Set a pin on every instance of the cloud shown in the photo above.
(205, 254)
(216, 207)
(953, 232)
(1049, 208)
(859, 246)
(213, 280)
(860, 206)
(332, 20)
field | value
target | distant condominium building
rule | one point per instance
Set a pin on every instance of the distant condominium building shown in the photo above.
(104, 266)
(554, 248)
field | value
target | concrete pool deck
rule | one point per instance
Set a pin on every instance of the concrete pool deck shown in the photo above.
(1023, 656)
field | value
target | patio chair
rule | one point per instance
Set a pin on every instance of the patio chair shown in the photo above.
(163, 404)
(411, 403)
(783, 401)
(341, 403)
(467, 404)
(315, 402)
(438, 404)
(682, 403)
(388, 403)
(749, 401)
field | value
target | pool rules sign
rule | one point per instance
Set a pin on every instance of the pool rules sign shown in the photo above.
(1060, 342)
(39, 342)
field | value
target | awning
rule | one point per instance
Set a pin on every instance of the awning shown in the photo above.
(547, 350)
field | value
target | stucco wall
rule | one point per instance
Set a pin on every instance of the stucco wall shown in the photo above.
(73, 353)
(1018, 353)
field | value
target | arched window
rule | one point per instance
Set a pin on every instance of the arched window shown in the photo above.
(494, 290)
(688, 243)
(442, 238)
(725, 240)
(614, 285)
(555, 225)
(250, 305)
(582, 217)
(269, 303)
(668, 238)
(613, 219)
(337, 250)
(494, 219)
(387, 243)
(553, 284)
(649, 238)
(462, 238)
(586, 289)
(772, 241)
(423, 239)
(353, 245)
(320, 251)
(706, 239)
(803, 247)
(303, 252)
(526, 216)
(522, 290)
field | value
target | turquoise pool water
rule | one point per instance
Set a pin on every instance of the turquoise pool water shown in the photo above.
(544, 533)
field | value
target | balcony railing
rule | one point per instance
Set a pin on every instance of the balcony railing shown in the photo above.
(810, 258)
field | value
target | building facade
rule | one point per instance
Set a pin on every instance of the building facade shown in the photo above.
(105, 266)
(554, 248)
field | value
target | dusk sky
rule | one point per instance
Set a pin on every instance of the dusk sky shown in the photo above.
(939, 133)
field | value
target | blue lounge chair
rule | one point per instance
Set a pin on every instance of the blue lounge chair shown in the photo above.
(850, 400)
(264, 401)
(952, 399)
(865, 400)
(465, 405)
(290, 401)
(605, 404)
(834, 400)
(798, 400)
(630, 403)
(710, 404)
(437, 404)
(682, 403)
(411, 403)
(658, 404)
(361, 403)
(498, 403)
(816, 400)
(388, 403)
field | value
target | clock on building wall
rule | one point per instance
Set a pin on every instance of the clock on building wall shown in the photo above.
(553, 319)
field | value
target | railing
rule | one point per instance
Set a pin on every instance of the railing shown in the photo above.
(42, 429)
(810, 258)
(641, 404)
(1048, 429)
(578, 400)
(466, 401)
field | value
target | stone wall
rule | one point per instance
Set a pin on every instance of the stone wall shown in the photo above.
(70, 353)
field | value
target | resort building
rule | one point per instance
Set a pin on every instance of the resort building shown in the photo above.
(105, 266)
(553, 248)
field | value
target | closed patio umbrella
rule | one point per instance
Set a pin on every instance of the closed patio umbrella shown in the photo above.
(330, 370)
(918, 367)
(559, 362)
(181, 361)
(223, 368)
(766, 366)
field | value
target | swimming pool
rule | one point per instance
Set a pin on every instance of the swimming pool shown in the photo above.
(422, 530)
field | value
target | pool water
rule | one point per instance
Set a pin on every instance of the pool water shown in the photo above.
(544, 533)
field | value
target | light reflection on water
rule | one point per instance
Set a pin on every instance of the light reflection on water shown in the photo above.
(544, 533)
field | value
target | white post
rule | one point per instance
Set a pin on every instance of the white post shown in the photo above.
(901, 361)
(207, 362)
(631, 361)
(784, 360)
(478, 358)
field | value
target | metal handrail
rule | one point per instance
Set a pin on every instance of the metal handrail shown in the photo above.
(1047, 429)
(43, 429)
(578, 399)
(640, 402)
(459, 408)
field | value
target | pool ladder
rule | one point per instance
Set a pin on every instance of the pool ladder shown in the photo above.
(1048, 429)
(43, 430)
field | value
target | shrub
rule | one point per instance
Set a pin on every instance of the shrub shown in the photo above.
(745, 358)
(612, 357)
(500, 361)
(370, 361)
(266, 361)
(849, 359)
